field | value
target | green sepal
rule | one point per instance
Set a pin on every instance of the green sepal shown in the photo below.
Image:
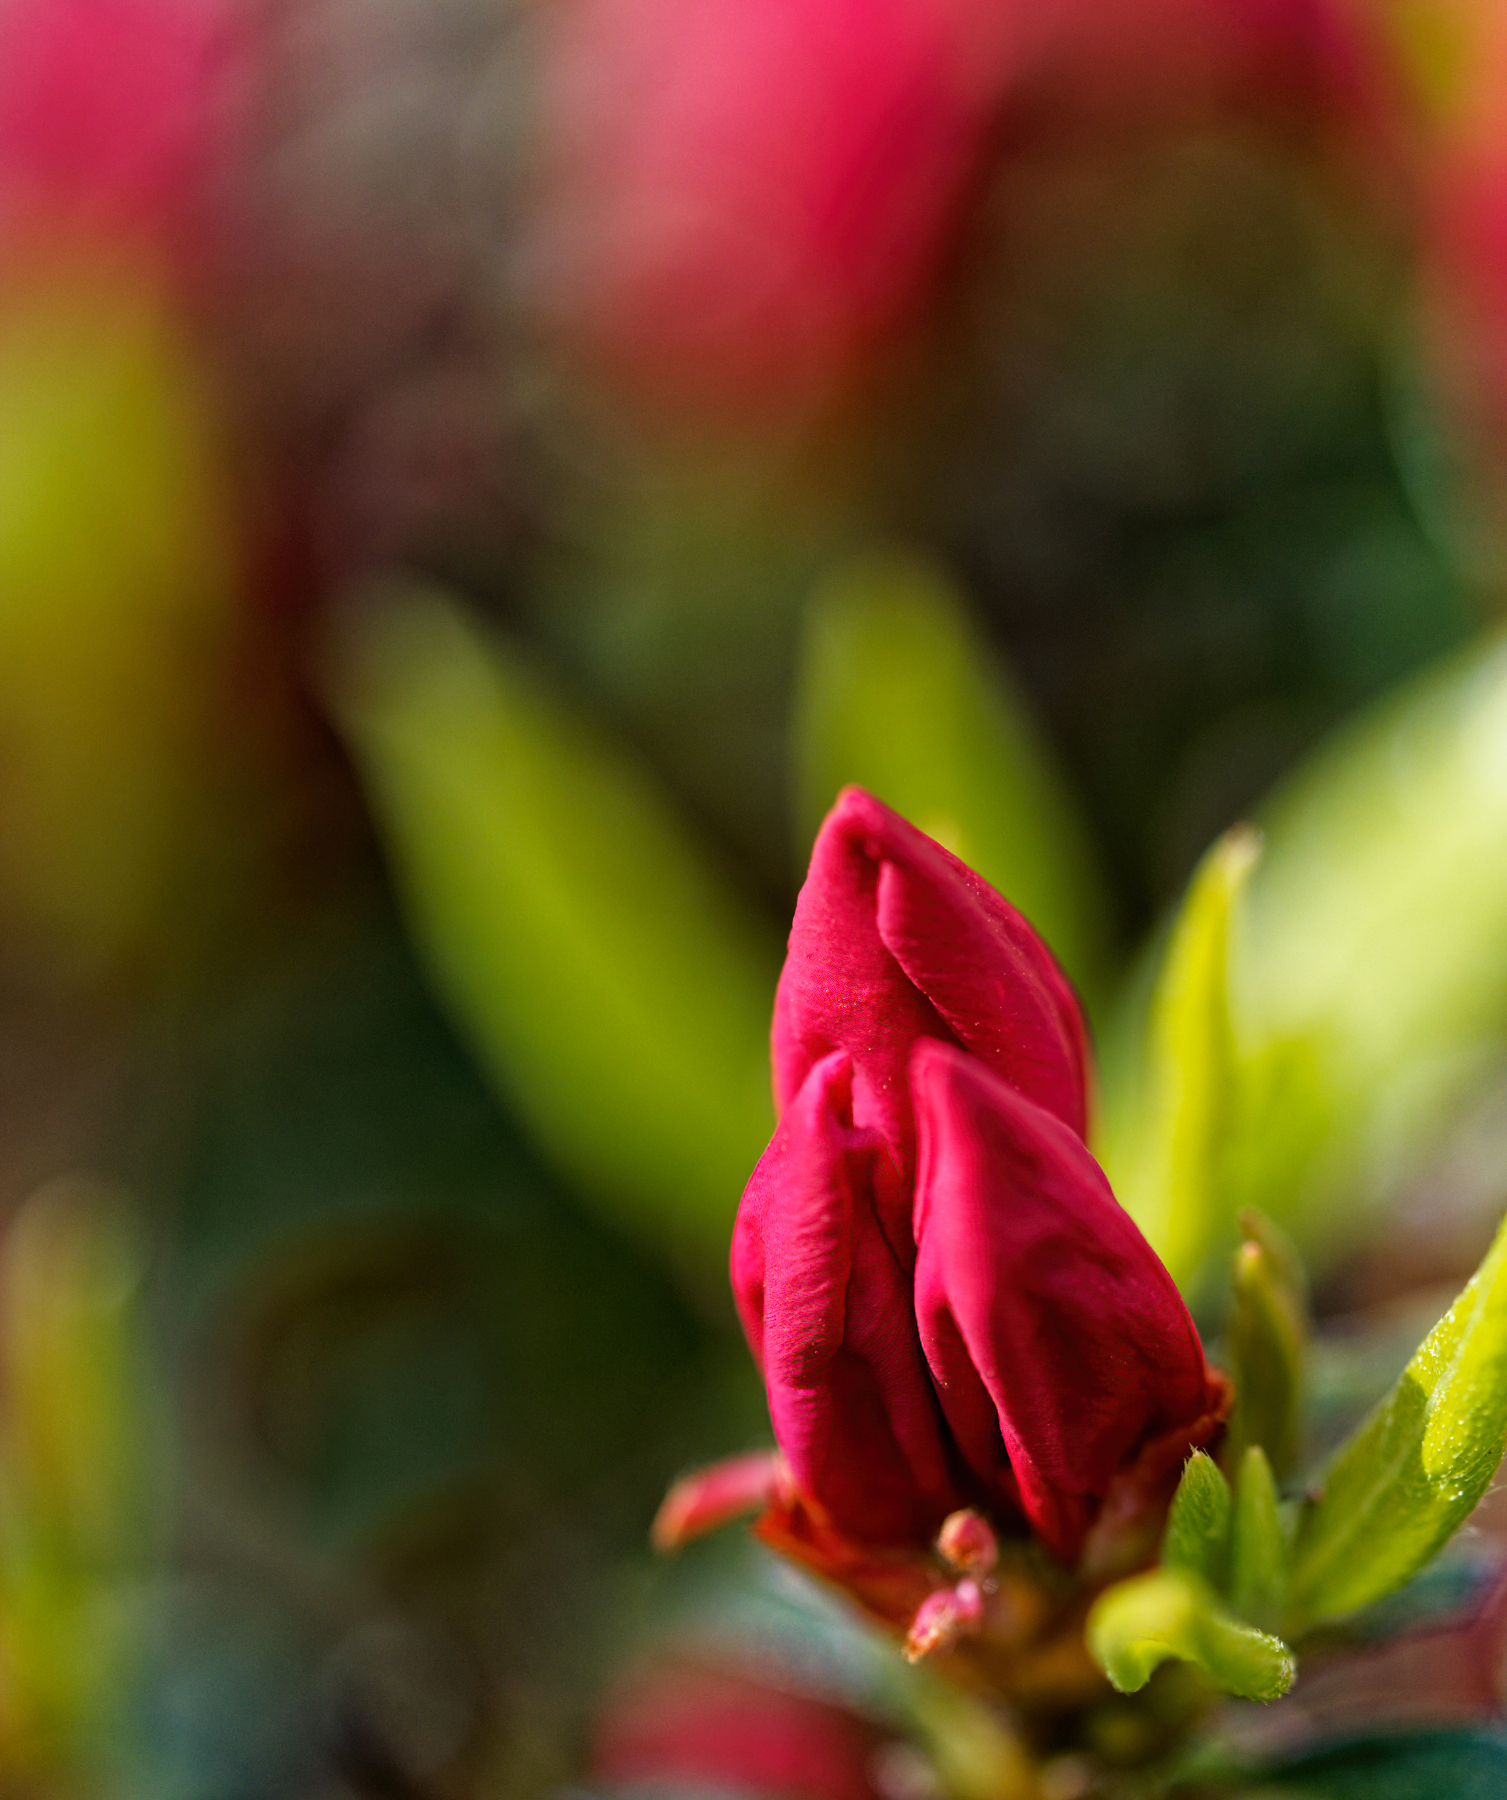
(1410, 1475)
(1258, 1544)
(898, 692)
(1165, 1132)
(1169, 1614)
(614, 987)
(1198, 1526)
(1267, 1339)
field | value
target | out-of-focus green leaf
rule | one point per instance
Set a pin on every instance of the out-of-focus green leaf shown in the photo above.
(1198, 1526)
(116, 588)
(1169, 1109)
(1169, 1614)
(1369, 991)
(1267, 1338)
(618, 994)
(77, 1474)
(1411, 1474)
(1434, 1765)
(899, 693)
(1258, 1546)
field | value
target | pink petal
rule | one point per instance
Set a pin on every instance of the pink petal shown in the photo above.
(895, 939)
(715, 1496)
(827, 1310)
(1054, 1334)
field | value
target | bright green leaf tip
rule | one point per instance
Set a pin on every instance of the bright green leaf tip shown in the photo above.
(1172, 1614)
(1198, 1526)
(1169, 1110)
(1411, 1474)
(1267, 1341)
(1258, 1547)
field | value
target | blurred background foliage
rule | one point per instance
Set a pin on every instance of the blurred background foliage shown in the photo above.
(475, 478)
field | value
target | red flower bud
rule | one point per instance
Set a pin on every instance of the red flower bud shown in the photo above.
(948, 1305)
(894, 939)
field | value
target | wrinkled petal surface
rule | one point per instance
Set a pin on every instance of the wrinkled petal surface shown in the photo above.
(894, 939)
(827, 1309)
(1056, 1338)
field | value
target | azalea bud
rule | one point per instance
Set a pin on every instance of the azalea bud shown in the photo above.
(948, 1305)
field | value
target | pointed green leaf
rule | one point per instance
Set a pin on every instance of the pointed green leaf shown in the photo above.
(898, 692)
(1267, 1341)
(1165, 1132)
(1198, 1526)
(616, 991)
(1170, 1614)
(1258, 1545)
(1413, 1471)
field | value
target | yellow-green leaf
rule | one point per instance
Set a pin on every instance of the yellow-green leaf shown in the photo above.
(1267, 1338)
(615, 988)
(1258, 1546)
(1400, 1486)
(1169, 1614)
(899, 693)
(1198, 1526)
(1166, 1129)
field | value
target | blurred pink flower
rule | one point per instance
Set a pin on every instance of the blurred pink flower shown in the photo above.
(116, 116)
(682, 1722)
(742, 199)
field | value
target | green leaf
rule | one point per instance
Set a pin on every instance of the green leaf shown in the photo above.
(1370, 991)
(617, 993)
(1198, 1526)
(898, 692)
(117, 607)
(1169, 1614)
(1435, 1765)
(1167, 1122)
(1267, 1339)
(1258, 1545)
(1412, 1472)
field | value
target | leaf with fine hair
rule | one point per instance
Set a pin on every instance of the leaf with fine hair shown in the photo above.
(1198, 1526)
(1171, 1614)
(1258, 1546)
(1410, 1475)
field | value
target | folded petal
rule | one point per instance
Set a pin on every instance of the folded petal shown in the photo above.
(827, 1309)
(1056, 1338)
(841, 989)
(895, 939)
